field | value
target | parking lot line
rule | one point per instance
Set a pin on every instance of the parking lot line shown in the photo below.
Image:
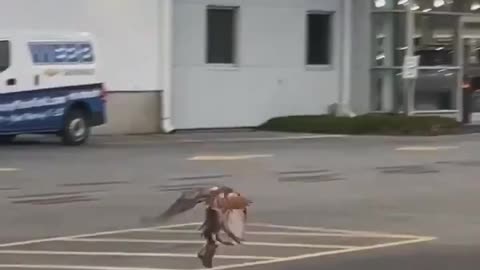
(9, 169)
(176, 228)
(35, 241)
(232, 157)
(128, 240)
(327, 230)
(366, 235)
(323, 253)
(130, 254)
(426, 148)
(74, 267)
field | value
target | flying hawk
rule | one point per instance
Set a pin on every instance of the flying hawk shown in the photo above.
(226, 210)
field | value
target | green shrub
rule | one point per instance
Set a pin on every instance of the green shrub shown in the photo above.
(369, 124)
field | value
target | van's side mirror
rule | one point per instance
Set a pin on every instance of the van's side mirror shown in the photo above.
(11, 81)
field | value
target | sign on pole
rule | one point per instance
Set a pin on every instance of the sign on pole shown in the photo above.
(410, 67)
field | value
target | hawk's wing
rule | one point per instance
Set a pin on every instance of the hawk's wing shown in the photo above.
(187, 201)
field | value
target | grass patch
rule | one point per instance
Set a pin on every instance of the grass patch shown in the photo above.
(368, 124)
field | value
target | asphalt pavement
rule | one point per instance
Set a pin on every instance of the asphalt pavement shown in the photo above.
(320, 202)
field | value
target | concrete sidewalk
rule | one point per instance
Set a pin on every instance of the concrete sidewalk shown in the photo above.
(242, 136)
(186, 137)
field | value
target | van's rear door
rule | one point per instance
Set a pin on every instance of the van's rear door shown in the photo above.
(8, 86)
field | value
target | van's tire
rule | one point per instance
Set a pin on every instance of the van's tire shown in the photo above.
(76, 128)
(7, 139)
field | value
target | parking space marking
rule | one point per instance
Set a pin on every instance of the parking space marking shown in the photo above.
(35, 241)
(426, 148)
(350, 233)
(245, 260)
(200, 242)
(75, 267)
(303, 234)
(320, 254)
(130, 254)
(232, 157)
(9, 169)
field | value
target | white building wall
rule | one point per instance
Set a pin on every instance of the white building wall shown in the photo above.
(271, 79)
(127, 31)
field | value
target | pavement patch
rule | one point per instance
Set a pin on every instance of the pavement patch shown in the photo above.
(200, 177)
(184, 187)
(54, 198)
(9, 188)
(80, 184)
(408, 169)
(59, 200)
(466, 163)
(309, 177)
(52, 194)
(174, 247)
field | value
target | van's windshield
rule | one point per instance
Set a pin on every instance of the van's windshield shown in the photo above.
(4, 55)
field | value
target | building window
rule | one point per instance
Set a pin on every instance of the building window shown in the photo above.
(319, 38)
(221, 35)
(4, 55)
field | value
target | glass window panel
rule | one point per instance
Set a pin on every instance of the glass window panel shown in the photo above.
(319, 39)
(221, 35)
(434, 5)
(457, 6)
(465, 6)
(388, 4)
(471, 49)
(436, 39)
(475, 101)
(4, 55)
(436, 90)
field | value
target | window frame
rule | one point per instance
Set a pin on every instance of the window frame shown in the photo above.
(9, 47)
(331, 40)
(235, 43)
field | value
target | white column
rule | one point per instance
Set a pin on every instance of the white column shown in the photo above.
(409, 89)
(166, 33)
(346, 57)
(388, 89)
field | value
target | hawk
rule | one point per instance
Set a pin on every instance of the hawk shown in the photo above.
(226, 210)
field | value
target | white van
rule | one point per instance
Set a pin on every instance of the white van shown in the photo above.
(49, 84)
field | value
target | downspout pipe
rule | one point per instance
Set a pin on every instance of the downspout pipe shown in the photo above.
(166, 64)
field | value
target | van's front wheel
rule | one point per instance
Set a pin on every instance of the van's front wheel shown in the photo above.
(76, 130)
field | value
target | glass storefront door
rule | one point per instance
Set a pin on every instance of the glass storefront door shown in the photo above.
(446, 36)
(470, 39)
(436, 42)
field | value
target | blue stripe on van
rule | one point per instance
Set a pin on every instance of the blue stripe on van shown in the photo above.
(39, 111)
